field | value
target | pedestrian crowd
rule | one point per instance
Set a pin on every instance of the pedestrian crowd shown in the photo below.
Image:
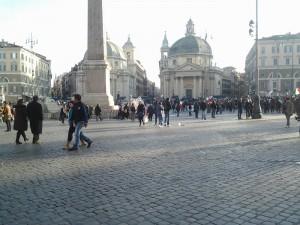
(77, 114)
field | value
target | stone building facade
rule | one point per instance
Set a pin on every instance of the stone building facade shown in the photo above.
(279, 64)
(186, 68)
(23, 73)
(128, 77)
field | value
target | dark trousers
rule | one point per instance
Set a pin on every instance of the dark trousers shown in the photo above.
(196, 114)
(19, 134)
(8, 125)
(240, 114)
(167, 118)
(150, 117)
(70, 133)
(288, 118)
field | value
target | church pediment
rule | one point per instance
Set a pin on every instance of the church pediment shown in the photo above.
(188, 67)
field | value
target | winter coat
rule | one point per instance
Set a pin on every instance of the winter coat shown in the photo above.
(7, 113)
(21, 122)
(35, 115)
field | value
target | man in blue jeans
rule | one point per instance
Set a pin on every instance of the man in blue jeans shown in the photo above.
(79, 118)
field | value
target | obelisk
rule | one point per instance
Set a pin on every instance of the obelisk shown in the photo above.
(96, 65)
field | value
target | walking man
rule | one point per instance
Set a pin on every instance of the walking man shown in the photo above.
(79, 118)
(98, 112)
(20, 123)
(167, 108)
(288, 110)
(203, 107)
(196, 109)
(35, 115)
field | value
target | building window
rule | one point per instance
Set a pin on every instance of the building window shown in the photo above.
(291, 48)
(14, 89)
(174, 62)
(275, 62)
(299, 60)
(189, 60)
(23, 69)
(13, 55)
(287, 61)
(274, 85)
(263, 62)
(4, 68)
(263, 50)
(22, 56)
(0, 55)
(4, 56)
(273, 49)
(116, 63)
(285, 49)
(298, 48)
(0, 68)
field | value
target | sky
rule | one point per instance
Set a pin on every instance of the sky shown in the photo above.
(60, 26)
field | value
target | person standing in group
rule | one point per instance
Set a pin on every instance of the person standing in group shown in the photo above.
(150, 112)
(35, 115)
(240, 108)
(213, 109)
(167, 108)
(196, 109)
(248, 108)
(79, 118)
(7, 116)
(20, 123)
(288, 110)
(203, 107)
(98, 113)
(158, 114)
(132, 112)
(190, 109)
(62, 115)
(178, 108)
(141, 113)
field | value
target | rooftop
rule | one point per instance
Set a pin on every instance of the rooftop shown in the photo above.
(287, 36)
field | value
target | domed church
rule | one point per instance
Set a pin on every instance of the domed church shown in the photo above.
(128, 77)
(186, 68)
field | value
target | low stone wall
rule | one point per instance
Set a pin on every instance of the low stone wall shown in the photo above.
(106, 114)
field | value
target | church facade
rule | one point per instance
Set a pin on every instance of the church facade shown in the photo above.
(128, 77)
(186, 68)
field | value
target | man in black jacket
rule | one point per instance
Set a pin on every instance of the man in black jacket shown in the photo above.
(167, 108)
(35, 115)
(79, 118)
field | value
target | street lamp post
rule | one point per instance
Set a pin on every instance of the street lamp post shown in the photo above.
(257, 113)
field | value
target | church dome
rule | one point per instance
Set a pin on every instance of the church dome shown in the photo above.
(190, 45)
(113, 51)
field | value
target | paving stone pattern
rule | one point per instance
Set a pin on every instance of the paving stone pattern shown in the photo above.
(221, 171)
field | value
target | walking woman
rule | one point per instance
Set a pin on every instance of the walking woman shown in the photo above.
(7, 116)
(141, 113)
(21, 123)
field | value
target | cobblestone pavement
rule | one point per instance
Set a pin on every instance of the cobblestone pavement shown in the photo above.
(221, 171)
